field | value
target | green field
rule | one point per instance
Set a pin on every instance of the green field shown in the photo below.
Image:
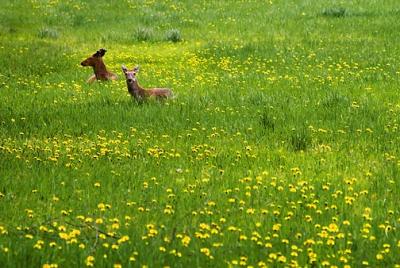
(281, 148)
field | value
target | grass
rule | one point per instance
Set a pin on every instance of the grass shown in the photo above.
(281, 148)
(173, 35)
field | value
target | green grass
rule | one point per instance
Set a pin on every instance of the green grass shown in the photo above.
(281, 148)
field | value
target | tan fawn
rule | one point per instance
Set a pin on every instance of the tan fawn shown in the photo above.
(139, 93)
(99, 68)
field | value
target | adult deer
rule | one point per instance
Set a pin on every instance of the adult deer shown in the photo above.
(138, 92)
(99, 68)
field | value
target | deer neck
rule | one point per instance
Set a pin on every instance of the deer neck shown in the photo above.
(136, 90)
(100, 70)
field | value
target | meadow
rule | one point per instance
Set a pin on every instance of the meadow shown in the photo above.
(281, 148)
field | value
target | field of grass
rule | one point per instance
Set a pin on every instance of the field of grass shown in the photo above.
(281, 148)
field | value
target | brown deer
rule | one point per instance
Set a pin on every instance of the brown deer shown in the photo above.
(139, 93)
(99, 68)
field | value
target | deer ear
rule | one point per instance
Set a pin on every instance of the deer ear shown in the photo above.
(99, 53)
(102, 52)
(124, 69)
(136, 69)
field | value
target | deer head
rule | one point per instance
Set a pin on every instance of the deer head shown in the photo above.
(130, 75)
(95, 58)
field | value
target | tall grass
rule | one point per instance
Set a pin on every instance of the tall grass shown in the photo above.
(280, 149)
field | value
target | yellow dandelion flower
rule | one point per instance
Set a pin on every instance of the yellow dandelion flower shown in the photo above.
(29, 236)
(50, 265)
(282, 259)
(272, 256)
(276, 227)
(89, 261)
(242, 237)
(330, 242)
(205, 251)
(333, 228)
(186, 240)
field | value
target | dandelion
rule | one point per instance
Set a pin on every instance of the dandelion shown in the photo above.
(50, 265)
(64, 213)
(101, 207)
(39, 244)
(333, 228)
(89, 261)
(243, 261)
(29, 236)
(250, 211)
(276, 227)
(123, 239)
(272, 256)
(206, 252)
(262, 264)
(3, 230)
(185, 241)
(282, 259)
(388, 228)
(330, 242)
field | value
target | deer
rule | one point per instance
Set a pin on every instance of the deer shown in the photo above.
(99, 68)
(139, 93)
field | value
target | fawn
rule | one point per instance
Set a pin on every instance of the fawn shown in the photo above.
(139, 93)
(99, 68)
